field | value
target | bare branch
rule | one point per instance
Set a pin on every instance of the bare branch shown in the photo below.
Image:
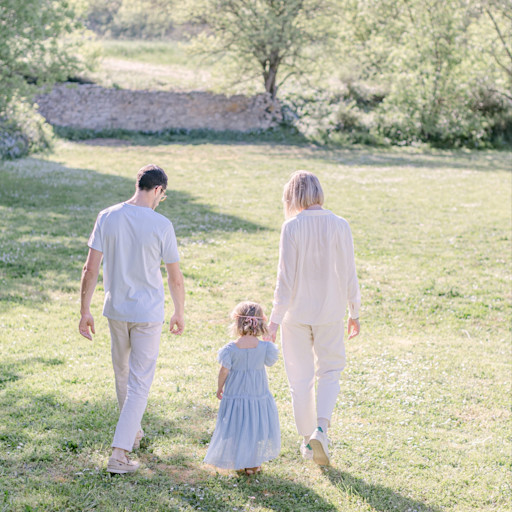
(501, 37)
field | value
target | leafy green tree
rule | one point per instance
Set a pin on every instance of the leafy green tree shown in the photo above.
(432, 56)
(38, 45)
(141, 19)
(498, 39)
(41, 42)
(265, 36)
(100, 14)
(146, 19)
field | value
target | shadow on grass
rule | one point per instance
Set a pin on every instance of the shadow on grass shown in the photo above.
(350, 155)
(48, 211)
(376, 496)
(428, 158)
(281, 135)
(57, 448)
(10, 371)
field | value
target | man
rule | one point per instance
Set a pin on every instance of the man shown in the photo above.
(133, 240)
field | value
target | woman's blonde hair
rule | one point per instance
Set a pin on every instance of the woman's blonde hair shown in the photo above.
(248, 319)
(302, 191)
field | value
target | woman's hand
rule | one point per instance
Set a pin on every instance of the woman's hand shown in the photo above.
(220, 392)
(353, 327)
(272, 332)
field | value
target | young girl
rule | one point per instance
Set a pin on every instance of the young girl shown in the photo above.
(247, 431)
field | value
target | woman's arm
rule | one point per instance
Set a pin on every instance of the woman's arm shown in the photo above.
(223, 374)
(353, 292)
(286, 271)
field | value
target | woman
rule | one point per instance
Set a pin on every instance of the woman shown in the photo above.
(315, 281)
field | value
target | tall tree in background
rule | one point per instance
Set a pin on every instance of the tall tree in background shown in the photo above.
(499, 15)
(265, 36)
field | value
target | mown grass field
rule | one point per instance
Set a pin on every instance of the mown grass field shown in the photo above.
(423, 418)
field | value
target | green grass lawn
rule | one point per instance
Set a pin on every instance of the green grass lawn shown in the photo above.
(423, 418)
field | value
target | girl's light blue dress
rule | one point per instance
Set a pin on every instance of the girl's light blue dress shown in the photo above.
(247, 431)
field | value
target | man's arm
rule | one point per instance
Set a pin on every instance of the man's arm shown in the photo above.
(90, 274)
(177, 289)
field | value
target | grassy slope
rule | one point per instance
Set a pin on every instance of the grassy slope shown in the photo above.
(423, 418)
(166, 65)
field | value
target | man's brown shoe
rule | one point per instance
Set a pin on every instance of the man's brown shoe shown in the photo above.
(121, 467)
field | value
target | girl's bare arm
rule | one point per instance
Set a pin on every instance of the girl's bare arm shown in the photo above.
(223, 374)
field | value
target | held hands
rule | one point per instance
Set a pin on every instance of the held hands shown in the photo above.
(86, 323)
(353, 328)
(177, 324)
(272, 332)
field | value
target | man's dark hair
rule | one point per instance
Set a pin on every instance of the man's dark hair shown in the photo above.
(151, 176)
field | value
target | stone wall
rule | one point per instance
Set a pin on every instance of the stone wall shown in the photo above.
(95, 108)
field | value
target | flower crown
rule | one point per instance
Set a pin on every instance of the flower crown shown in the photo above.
(253, 319)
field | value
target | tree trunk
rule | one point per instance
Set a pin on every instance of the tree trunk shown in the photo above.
(270, 82)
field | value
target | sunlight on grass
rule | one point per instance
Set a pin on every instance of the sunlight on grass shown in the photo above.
(163, 66)
(423, 418)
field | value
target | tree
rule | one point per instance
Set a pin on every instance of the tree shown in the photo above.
(38, 45)
(499, 44)
(265, 36)
(432, 56)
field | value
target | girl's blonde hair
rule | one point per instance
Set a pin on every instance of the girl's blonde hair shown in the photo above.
(248, 319)
(302, 191)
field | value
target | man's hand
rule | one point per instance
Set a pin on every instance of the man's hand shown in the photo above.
(87, 284)
(177, 324)
(86, 323)
(177, 289)
(272, 332)
(353, 328)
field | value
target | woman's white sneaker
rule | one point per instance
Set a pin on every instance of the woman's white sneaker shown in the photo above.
(319, 444)
(306, 451)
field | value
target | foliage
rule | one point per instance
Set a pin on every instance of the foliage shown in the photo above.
(279, 135)
(143, 19)
(344, 117)
(265, 36)
(443, 69)
(23, 131)
(41, 42)
(430, 56)
(99, 15)
(423, 418)
(498, 40)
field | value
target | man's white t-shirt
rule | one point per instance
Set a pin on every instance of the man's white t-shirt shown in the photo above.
(134, 240)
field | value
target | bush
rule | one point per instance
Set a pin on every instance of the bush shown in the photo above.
(140, 19)
(341, 118)
(464, 117)
(23, 131)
